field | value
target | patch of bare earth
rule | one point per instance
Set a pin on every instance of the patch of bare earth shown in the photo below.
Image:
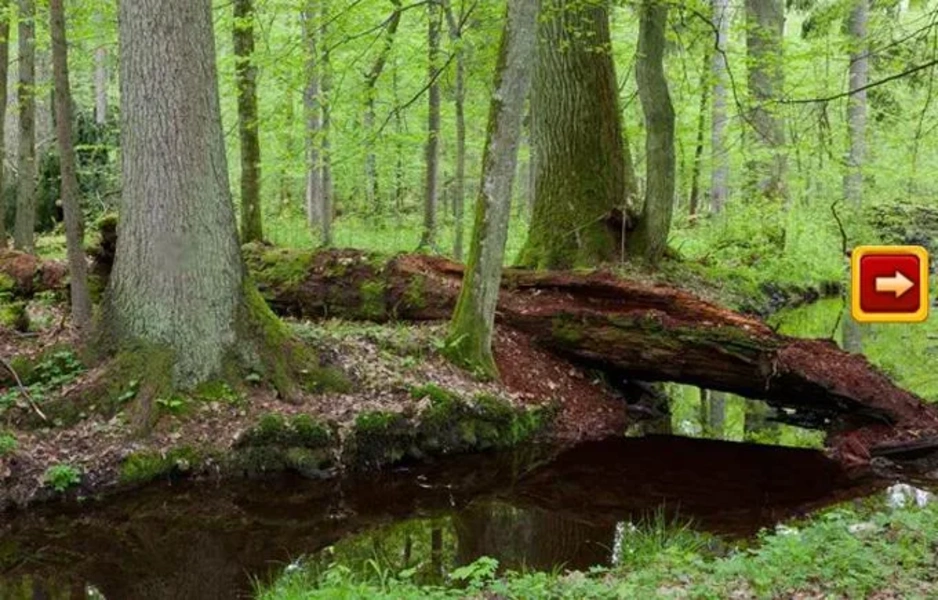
(384, 364)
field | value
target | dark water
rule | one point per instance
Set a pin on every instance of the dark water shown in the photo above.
(186, 540)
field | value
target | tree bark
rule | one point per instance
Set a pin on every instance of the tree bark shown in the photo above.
(765, 21)
(650, 238)
(432, 149)
(74, 225)
(693, 204)
(856, 130)
(470, 335)
(100, 76)
(580, 175)
(328, 198)
(459, 99)
(178, 283)
(313, 110)
(4, 67)
(719, 157)
(372, 199)
(246, 78)
(24, 237)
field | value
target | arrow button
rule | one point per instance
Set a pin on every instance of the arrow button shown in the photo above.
(898, 284)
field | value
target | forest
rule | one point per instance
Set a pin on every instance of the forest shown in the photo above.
(465, 299)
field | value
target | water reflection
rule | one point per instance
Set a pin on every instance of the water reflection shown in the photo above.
(533, 510)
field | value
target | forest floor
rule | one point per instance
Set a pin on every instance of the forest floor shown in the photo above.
(393, 370)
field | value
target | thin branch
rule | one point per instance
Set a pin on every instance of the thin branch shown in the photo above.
(23, 390)
(862, 88)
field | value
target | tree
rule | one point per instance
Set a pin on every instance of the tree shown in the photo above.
(470, 336)
(454, 25)
(326, 147)
(856, 129)
(4, 66)
(246, 75)
(765, 27)
(432, 148)
(24, 235)
(178, 298)
(100, 75)
(650, 238)
(693, 203)
(720, 166)
(313, 111)
(581, 162)
(77, 265)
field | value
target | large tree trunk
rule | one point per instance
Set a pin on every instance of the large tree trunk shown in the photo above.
(24, 235)
(765, 26)
(856, 128)
(650, 238)
(4, 66)
(432, 150)
(470, 336)
(580, 176)
(74, 226)
(719, 161)
(246, 75)
(313, 111)
(178, 285)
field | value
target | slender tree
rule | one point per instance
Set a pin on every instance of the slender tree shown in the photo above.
(313, 112)
(74, 235)
(246, 76)
(581, 162)
(719, 157)
(856, 130)
(432, 149)
(650, 238)
(454, 25)
(178, 290)
(765, 27)
(328, 210)
(470, 337)
(4, 66)
(100, 74)
(24, 234)
(693, 203)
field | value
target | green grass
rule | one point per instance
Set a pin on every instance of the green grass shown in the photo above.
(821, 558)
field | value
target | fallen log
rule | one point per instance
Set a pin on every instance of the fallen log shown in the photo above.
(642, 331)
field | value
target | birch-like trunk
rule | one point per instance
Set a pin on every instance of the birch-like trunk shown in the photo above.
(313, 111)
(328, 211)
(24, 231)
(470, 338)
(246, 78)
(74, 234)
(650, 238)
(719, 158)
(100, 75)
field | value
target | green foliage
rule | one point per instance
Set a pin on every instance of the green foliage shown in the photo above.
(44, 376)
(147, 465)
(8, 443)
(61, 477)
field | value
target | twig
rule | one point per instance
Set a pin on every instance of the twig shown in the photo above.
(840, 226)
(23, 390)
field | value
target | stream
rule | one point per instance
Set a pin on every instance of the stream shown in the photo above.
(535, 507)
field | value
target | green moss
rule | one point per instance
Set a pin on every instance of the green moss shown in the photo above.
(564, 330)
(277, 268)
(217, 391)
(7, 284)
(373, 299)
(299, 443)
(14, 316)
(435, 393)
(148, 465)
(414, 293)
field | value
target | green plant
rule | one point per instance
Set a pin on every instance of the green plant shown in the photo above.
(8, 443)
(61, 476)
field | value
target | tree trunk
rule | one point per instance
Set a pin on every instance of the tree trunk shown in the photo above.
(246, 77)
(459, 98)
(74, 226)
(650, 238)
(693, 204)
(856, 128)
(372, 199)
(719, 158)
(328, 198)
(24, 238)
(580, 176)
(432, 150)
(100, 76)
(470, 335)
(4, 67)
(178, 287)
(313, 110)
(765, 26)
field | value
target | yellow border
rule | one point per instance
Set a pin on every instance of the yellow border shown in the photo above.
(859, 314)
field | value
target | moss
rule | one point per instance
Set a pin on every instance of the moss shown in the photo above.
(148, 465)
(565, 331)
(14, 316)
(277, 268)
(373, 299)
(7, 284)
(414, 292)
(217, 391)
(435, 393)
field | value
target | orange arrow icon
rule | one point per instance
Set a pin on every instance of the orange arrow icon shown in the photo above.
(898, 284)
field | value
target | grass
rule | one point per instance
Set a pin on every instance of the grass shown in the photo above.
(829, 556)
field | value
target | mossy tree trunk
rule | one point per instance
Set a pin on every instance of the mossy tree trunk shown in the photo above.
(470, 336)
(432, 150)
(178, 283)
(4, 67)
(650, 238)
(765, 26)
(24, 235)
(580, 171)
(74, 227)
(246, 76)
